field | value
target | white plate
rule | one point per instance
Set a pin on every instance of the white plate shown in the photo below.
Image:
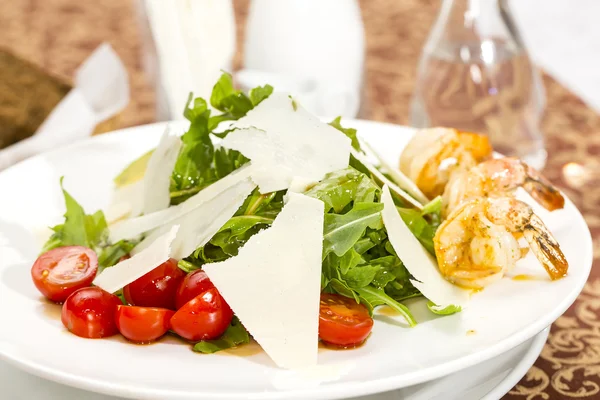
(500, 317)
(489, 380)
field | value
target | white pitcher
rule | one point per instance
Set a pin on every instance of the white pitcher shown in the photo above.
(320, 41)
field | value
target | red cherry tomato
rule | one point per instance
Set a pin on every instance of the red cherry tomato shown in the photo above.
(204, 317)
(59, 272)
(157, 288)
(193, 284)
(143, 324)
(90, 313)
(342, 321)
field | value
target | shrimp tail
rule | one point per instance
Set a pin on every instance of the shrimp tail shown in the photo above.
(546, 248)
(542, 190)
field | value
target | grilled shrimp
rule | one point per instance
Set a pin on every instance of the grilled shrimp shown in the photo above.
(500, 178)
(432, 155)
(476, 244)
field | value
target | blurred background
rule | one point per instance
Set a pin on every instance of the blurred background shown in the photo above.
(525, 72)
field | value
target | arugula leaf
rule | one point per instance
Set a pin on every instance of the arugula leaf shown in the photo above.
(419, 227)
(193, 166)
(233, 102)
(448, 310)
(350, 132)
(433, 212)
(227, 161)
(110, 255)
(376, 297)
(363, 245)
(258, 203)
(433, 207)
(350, 260)
(390, 268)
(260, 93)
(234, 335)
(75, 229)
(341, 232)
(188, 265)
(221, 90)
(360, 276)
(233, 235)
(342, 288)
(199, 108)
(340, 188)
(79, 229)
(257, 213)
(199, 164)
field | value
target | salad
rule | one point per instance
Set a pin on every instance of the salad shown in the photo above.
(263, 222)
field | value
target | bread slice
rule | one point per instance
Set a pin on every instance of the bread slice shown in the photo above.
(27, 96)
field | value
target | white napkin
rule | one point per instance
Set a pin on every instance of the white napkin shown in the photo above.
(101, 91)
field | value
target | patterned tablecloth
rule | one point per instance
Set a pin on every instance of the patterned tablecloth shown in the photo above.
(58, 34)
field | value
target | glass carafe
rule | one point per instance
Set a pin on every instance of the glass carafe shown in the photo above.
(475, 75)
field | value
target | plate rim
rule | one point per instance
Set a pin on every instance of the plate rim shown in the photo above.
(332, 390)
(520, 369)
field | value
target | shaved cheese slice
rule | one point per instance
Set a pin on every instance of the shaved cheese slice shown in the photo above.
(273, 285)
(126, 201)
(136, 226)
(158, 172)
(199, 225)
(300, 185)
(402, 180)
(202, 224)
(285, 141)
(417, 260)
(127, 271)
(150, 192)
(385, 181)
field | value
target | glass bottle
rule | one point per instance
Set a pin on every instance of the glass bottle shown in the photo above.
(475, 75)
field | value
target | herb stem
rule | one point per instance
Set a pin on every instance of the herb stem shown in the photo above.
(185, 192)
(399, 307)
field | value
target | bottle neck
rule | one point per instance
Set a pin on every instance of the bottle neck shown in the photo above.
(469, 21)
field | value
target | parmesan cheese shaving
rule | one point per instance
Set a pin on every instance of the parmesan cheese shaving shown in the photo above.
(273, 285)
(200, 224)
(158, 173)
(285, 141)
(131, 228)
(417, 260)
(127, 271)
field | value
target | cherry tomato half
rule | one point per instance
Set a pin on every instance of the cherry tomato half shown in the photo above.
(142, 324)
(157, 288)
(342, 321)
(59, 272)
(194, 283)
(204, 317)
(90, 313)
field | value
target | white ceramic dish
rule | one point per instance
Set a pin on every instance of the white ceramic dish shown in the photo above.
(498, 319)
(489, 380)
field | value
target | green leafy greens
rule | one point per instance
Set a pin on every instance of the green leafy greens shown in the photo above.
(358, 259)
(88, 230)
(234, 335)
(448, 310)
(199, 163)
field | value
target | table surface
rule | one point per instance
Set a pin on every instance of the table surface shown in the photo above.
(58, 35)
